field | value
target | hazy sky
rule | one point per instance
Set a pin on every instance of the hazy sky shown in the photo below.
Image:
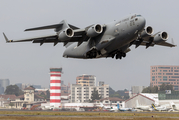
(30, 63)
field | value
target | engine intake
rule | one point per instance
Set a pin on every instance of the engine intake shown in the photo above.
(148, 31)
(65, 34)
(95, 30)
(162, 36)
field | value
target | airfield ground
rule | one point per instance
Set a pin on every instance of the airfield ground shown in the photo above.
(54, 115)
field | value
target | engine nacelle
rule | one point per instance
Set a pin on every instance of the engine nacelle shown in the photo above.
(65, 34)
(95, 30)
(162, 36)
(148, 31)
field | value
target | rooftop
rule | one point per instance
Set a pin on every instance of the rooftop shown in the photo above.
(112, 99)
(8, 97)
(29, 88)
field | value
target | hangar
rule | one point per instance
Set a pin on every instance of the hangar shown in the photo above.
(143, 99)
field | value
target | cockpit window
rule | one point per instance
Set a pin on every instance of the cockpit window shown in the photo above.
(138, 15)
(133, 16)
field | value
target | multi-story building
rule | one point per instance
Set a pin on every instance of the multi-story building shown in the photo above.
(29, 94)
(4, 83)
(100, 83)
(83, 94)
(164, 74)
(86, 80)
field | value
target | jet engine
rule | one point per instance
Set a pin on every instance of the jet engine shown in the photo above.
(147, 32)
(94, 30)
(161, 36)
(65, 34)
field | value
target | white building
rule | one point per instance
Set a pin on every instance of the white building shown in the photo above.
(82, 94)
(3, 84)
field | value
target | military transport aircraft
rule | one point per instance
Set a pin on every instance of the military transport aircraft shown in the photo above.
(97, 41)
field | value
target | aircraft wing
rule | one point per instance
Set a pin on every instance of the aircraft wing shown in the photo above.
(40, 38)
(159, 38)
(79, 36)
(65, 33)
(161, 43)
(166, 44)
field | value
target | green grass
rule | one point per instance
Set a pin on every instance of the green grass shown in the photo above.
(44, 115)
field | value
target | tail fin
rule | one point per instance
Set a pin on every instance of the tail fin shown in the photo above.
(153, 106)
(172, 105)
(101, 105)
(62, 25)
(118, 107)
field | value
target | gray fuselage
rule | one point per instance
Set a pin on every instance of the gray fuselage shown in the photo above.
(116, 36)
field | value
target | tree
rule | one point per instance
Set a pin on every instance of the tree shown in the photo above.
(166, 87)
(115, 95)
(11, 104)
(48, 94)
(154, 89)
(42, 94)
(13, 90)
(150, 89)
(119, 94)
(95, 95)
(111, 92)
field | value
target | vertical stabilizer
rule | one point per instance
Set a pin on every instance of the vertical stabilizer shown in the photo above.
(118, 107)
(173, 105)
(101, 105)
(153, 106)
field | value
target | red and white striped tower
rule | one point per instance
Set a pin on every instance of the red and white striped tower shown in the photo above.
(55, 87)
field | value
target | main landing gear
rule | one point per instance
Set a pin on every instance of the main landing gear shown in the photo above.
(92, 53)
(119, 55)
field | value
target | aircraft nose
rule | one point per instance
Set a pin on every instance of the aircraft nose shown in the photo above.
(142, 21)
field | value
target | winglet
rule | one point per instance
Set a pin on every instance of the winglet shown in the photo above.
(6, 38)
(173, 43)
